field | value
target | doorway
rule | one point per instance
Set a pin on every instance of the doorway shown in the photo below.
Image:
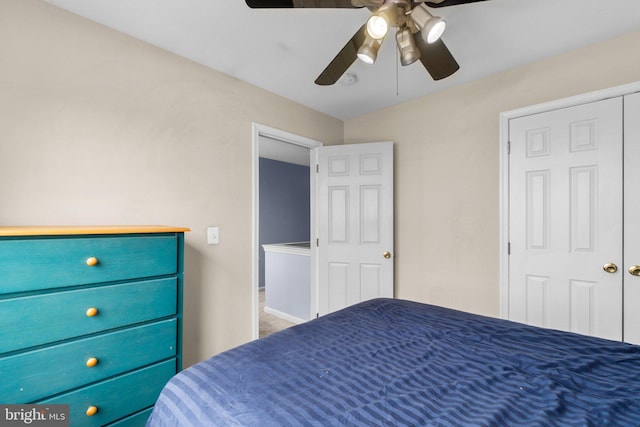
(281, 152)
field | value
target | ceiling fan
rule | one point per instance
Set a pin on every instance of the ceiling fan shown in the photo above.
(417, 36)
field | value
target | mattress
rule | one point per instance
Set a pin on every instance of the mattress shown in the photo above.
(388, 362)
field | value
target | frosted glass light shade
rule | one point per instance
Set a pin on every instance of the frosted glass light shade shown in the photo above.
(368, 52)
(431, 27)
(377, 27)
(434, 29)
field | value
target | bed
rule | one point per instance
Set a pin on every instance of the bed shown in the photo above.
(389, 362)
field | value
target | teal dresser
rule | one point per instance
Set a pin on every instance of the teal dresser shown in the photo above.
(90, 317)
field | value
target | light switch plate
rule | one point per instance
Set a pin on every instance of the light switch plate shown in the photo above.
(213, 235)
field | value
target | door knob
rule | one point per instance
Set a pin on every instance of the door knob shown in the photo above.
(610, 267)
(386, 254)
(634, 270)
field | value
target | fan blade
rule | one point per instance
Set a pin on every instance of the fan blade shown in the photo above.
(262, 4)
(436, 58)
(445, 3)
(343, 59)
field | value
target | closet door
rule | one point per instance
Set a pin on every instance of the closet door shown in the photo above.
(632, 218)
(565, 219)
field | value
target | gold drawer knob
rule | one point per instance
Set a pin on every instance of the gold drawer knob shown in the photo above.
(91, 362)
(91, 411)
(92, 312)
(91, 261)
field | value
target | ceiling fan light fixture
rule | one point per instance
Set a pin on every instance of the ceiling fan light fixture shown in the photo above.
(431, 27)
(409, 52)
(368, 52)
(377, 27)
(389, 14)
(434, 29)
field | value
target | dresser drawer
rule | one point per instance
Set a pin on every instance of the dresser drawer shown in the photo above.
(43, 263)
(45, 318)
(45, 372)
(115, 398)
(137, 420)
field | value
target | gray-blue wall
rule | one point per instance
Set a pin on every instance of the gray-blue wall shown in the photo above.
(284, 205)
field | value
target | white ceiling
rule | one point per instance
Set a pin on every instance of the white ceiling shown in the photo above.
(284, 50)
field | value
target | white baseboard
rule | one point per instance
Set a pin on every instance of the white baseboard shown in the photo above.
(284, 316)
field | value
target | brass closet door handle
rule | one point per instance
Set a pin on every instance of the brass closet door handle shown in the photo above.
(386, 254)
(610, 267)
(634, 270)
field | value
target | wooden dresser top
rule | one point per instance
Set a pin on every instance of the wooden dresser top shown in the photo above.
(59, 230)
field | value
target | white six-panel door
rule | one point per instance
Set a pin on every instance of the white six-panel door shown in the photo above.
(355, 217)
(565, 207)
(631, 218)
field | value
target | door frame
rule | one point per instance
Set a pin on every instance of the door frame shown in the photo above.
(505, 116)
(257, 131)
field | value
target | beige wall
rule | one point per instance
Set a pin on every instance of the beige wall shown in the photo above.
(447, 169)
(98, 128)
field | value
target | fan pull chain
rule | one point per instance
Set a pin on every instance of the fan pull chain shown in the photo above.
(397, 71)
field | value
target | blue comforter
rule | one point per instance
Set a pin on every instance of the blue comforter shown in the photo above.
(398, 363)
